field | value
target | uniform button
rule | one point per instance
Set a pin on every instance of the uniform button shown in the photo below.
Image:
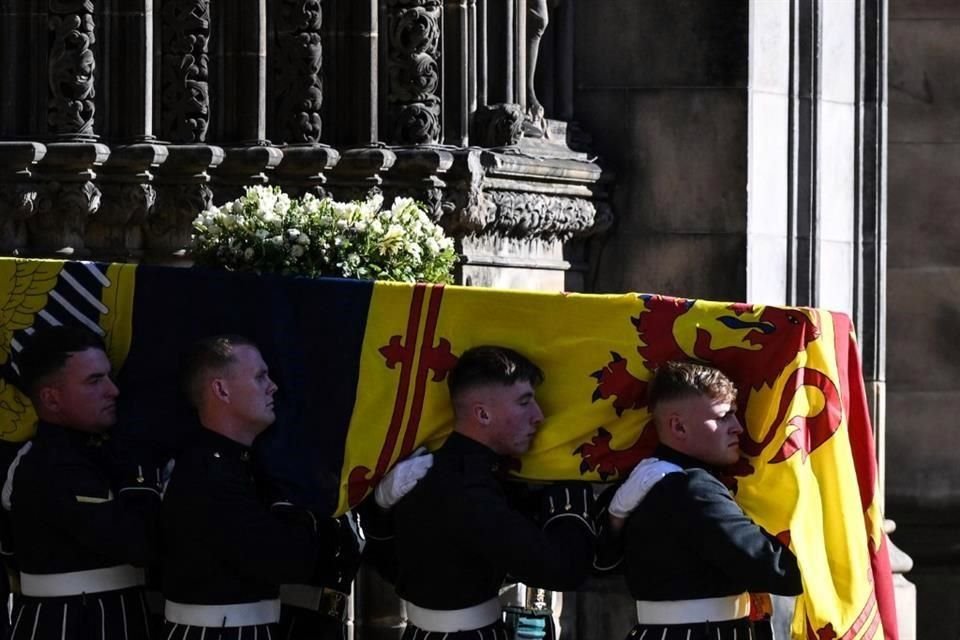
(216, 454)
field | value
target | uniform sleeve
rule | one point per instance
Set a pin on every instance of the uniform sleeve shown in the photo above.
(279, 547)
(558, 556)
(729, 540)
(380, 550)
(77, 498)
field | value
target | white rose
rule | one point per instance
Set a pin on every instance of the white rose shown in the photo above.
(248, 254)
(296, 250)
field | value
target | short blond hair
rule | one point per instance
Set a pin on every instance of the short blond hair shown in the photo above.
(677, 379)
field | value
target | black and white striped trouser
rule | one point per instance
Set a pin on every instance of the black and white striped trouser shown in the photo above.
(741, 629)
(174, 631)
(495, 631)
(110, 615)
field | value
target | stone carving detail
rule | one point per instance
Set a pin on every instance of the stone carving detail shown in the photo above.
(18, 201)
(299, 84)
(169, 227)
(62, 213)
(71, 67)
(470, 210)
(537, 215)
(185, 95)
(413, 70)
(117, 226)
(497, 125)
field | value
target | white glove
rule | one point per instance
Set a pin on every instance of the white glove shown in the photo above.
(402, 478)
(643, 477)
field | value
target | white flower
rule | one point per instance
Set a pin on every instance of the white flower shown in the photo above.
(276, 241)
(297, 251)
(248, 253)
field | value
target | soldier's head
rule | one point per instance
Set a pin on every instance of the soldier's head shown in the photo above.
(228, 383)
(66, 373)
(694, 410)
(492, 390)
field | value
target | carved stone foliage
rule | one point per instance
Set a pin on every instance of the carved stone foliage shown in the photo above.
(169, 227)
(185, 95)
(497, 125)
(299, 85)
(63, 211)
(413, 70)
(71, 67)
(521, 214)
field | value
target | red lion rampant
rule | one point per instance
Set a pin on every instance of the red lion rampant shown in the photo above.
(770, 345)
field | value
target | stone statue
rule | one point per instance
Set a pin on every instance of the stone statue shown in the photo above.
(538, 17)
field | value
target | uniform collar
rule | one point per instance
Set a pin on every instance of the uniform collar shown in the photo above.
(461, 445)
(221, 445)
(683, 460)
(59, 434)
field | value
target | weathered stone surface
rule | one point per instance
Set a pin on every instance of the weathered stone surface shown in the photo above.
(924, 201)
(924, 88)
(678, 43)
(923, 9)
(679, 264)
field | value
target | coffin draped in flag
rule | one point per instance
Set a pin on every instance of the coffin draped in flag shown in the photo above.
(362, 372)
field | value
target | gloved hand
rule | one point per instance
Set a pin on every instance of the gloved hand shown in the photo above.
(402, 478)
(636, 487)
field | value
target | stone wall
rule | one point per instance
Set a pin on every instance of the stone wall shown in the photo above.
(923, 400)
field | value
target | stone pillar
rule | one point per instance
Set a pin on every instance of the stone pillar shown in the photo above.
(295, 82)
(458, 51)
(18, 194)
(352, 29)
(413, 71)
(127, 44)
(23, 72)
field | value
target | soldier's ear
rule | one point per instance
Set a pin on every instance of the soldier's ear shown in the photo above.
(676, 426)
(49, 398)
(220, 389)
(480, 413)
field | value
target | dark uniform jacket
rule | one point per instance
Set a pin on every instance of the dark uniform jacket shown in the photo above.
(688, 539)
(68, 514)
(457, 537)
(222, 544)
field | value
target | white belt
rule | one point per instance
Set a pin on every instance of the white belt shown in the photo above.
(688, 611)
(453, 620)
(75, 583)
(247, 614)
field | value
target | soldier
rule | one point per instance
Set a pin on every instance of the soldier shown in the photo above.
(227, 553)
(84, 524)
(456, 535)
(691, 555)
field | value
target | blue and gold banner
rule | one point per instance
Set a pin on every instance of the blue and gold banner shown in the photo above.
(362, 372)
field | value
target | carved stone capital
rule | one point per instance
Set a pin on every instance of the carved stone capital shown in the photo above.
(242, 167)
(63, 210)
(168, 230)
(359, 174)
(303, 169)
(497, 125)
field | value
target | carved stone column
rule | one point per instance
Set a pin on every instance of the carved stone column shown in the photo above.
(296, 82)
(184, 93)
(413, 71)
(70, 109)
(304, 168)
(18, 195)
(457, 81)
